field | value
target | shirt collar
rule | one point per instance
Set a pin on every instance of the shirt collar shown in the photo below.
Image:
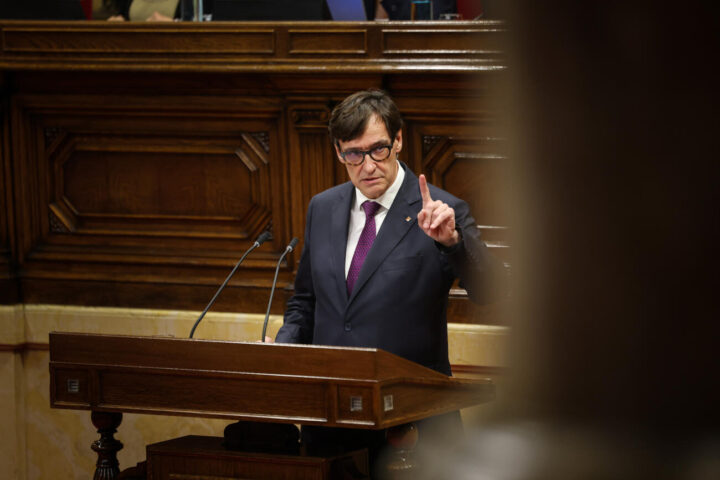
(386, 199)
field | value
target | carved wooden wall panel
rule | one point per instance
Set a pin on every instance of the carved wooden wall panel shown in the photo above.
(143, 187)
(456, 142)
(162, 196)
(312, 158)
(460, 149)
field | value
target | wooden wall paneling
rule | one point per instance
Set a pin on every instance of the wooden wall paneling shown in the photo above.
(117, 133)
(371, 47)
(27, 179)
(460, 150)
(469, 162)
(9, 293)
(166, 196)
(312, 165)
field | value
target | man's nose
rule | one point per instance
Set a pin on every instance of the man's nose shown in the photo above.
(368, 164)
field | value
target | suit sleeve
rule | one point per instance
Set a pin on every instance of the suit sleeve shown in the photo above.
(299, 318)
(481, 274)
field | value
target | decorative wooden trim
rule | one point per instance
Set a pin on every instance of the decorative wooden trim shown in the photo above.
(342, 42)
(306, 117)
(51, 134)
(82, 39)
(429, 141)
(414, 41)
(457, 369)
(263, 138)
(56, 224)
(478, 370)
(257, 47)
(24, 347)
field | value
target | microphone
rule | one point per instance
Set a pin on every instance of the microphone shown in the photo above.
(288, 249)
(262, 238)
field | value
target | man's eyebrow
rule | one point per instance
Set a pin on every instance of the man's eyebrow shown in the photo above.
(379, 143)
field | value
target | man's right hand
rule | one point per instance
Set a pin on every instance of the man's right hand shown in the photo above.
(437, 219)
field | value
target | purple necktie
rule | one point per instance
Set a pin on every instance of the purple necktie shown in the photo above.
(367, 237)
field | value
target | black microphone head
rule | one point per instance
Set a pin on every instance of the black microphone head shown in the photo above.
(293, 244)
(263, 237)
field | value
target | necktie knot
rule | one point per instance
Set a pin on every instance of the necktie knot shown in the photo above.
(370, 208)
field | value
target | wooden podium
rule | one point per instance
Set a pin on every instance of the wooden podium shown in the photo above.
(300, 384)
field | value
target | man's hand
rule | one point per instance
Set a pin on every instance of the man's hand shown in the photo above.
(436, 218)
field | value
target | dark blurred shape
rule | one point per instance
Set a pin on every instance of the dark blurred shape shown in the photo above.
(471, 9)
(87, 6)
(615, 333)
(262, 437)
(620, 227)
(41, 10)
(348, 10)
(401, 9)
(270, 10)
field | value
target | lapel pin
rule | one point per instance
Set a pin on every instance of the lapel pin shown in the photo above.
(407, 219)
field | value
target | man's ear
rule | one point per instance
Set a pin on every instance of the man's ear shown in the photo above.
(337, 150)
(398, 140)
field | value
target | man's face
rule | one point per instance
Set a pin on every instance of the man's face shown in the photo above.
(370, 177)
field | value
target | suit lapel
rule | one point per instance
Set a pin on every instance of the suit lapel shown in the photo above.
(340, 217)
(395, 226)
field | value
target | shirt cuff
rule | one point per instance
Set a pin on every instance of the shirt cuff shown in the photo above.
(451, 250)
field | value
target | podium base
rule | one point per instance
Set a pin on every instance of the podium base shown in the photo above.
(262, 437)
(206, 457)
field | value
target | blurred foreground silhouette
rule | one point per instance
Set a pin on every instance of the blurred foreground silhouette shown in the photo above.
(613, 114)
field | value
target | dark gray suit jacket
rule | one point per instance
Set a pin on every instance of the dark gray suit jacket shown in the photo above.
(399, 301)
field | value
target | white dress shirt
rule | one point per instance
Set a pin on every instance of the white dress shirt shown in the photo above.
(357, 214)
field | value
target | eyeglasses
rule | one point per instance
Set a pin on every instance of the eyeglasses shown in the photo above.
(357, 157)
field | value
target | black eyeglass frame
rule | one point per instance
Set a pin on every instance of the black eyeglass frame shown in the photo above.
(367, 153)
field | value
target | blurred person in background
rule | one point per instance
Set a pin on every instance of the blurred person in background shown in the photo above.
(148, 10)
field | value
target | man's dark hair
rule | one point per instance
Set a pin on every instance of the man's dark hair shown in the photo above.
(350, 118)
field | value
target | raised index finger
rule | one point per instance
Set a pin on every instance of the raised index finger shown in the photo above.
(424, 190)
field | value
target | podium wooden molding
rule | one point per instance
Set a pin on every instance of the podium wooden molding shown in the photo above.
(301, 384)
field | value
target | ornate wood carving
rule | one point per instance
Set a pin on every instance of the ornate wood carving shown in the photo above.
(428, 142)
(51, 134)
(263, 138)
(57, 225)
(107, 467)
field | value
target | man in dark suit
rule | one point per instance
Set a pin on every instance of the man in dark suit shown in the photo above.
(379, 257)
(387, 287)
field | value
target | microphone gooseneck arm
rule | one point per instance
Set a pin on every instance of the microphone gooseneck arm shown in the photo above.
(260, 240)
(288, 249)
